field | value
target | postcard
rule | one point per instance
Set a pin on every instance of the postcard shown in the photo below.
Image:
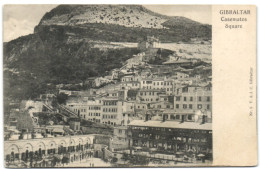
(129, 85)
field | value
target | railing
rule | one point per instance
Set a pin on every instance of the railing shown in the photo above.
(67, 110)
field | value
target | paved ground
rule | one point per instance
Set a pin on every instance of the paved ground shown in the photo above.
(90, 162)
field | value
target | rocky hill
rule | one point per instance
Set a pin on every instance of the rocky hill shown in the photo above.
(124, 15)
(62, 48)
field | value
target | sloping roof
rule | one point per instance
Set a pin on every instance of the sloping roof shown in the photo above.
(171, 124)
(58, 130)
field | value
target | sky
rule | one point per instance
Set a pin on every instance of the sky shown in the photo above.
(20, 20)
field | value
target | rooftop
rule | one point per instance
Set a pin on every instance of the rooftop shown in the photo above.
(171, 124)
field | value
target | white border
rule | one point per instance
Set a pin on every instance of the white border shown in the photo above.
(2, 2)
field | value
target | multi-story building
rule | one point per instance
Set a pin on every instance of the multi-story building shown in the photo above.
(75, 148)
(94, 110)
(148, 95)
(182, 75)
(147, 83)
(112, 110)
(193, 97)
(78, 107)
(130, 85)
(129, 78)
(171, 136)
(190, 99)
(120, 139)
(158, 83)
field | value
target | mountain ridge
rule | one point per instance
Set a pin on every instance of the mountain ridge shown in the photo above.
(63, 53)
(124, 15)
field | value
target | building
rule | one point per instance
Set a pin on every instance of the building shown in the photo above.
(171, 136)
(120, 139)
(190, 100)
(94, 110)
(130, 85)
(194, 98)
(129, 78)
(112, 110)
(75, 148)
(182, 75)
(148, 95)
(74, 124)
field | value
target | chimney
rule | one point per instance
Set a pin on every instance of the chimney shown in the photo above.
(204, 118)
(164, 118)
(146, 117)
(182, 118)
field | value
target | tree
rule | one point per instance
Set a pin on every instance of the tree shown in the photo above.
(114, 160)
(125, 157)
(65, 160)
(62, 98)
(55, 161)
(139, 160)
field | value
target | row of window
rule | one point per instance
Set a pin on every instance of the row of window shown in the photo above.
(133, 84)
(111, 123)
(185, 106)
(148, 99)
(127, 79)
(94, 108)
(178, 98)
(80, 110)
(110, 103)
(158, 83)
(167, 129)
(182, 139)
(94, 114)
(109, 116)
(109, 109)
(95, 120)
(148, 93)
(114, 94)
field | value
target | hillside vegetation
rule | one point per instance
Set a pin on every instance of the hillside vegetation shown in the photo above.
(62, 48)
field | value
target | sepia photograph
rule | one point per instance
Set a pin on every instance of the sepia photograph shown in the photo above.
(107, 86)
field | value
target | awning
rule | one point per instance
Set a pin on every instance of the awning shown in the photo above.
(201, 155)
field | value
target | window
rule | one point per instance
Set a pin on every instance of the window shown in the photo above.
(208, 98)
(199, 98)
(177, 116)
(189, 117)
(178, 98)
(177, 106)
(199, 106)
(184, 98)
(185, 106)
(208, 106)
(190, 106)
(191, 98)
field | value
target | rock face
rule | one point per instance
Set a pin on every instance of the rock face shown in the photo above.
(63, 46)
(124, 15)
